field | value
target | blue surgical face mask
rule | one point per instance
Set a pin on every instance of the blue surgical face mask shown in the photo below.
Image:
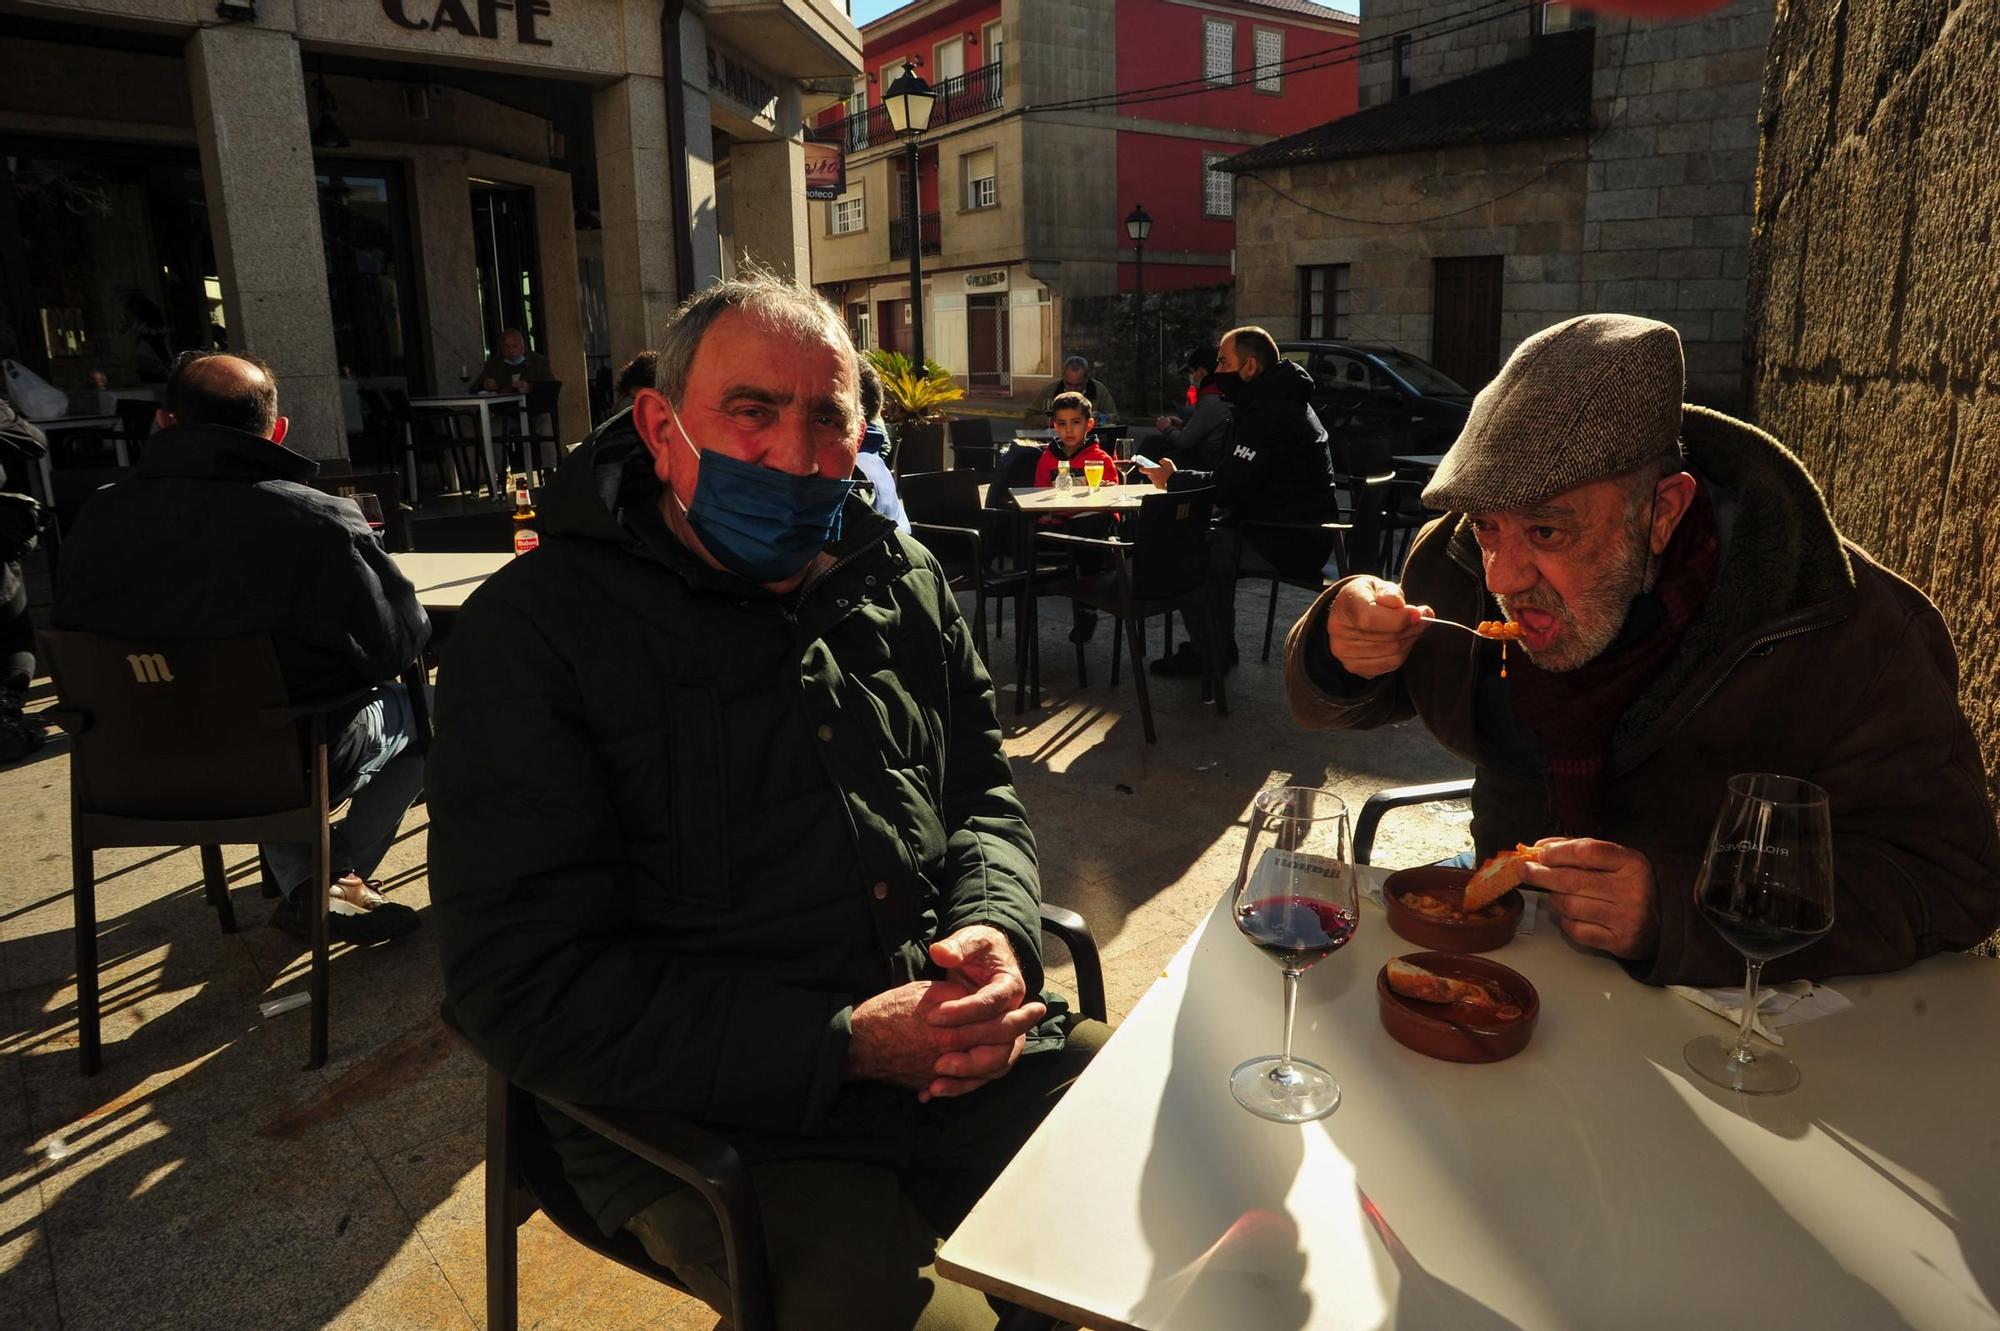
(760, 524)
(517, 360)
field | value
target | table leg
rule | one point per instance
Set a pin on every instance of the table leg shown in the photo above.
(486, 438)
(1024, 549)
(48, 478)
(118, 448)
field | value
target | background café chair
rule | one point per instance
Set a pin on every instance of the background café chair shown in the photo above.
(536, 424)
(943, 508)
(1252, 563)
(1163, 568)
(187, 743)
(972, 444)
(919, 448)
(524, 1175)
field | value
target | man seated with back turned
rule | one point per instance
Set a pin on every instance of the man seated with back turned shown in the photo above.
(1275, 468)
(1075, 378)
(1689, 612)
(513, 368)
(722, 828)
(219, 536)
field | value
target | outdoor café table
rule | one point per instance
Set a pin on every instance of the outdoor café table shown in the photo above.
(1419, 461)
(1033, 502)
(1591, 1183)
(61, 425)
(483, 403)
(443, 580)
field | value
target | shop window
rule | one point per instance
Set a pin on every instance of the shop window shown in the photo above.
(1218, 189)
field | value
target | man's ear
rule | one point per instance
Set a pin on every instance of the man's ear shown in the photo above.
(280, 428)
(1671, 498)
(655, 426)
(163, 419)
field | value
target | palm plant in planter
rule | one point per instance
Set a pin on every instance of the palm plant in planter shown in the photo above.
(911, 396)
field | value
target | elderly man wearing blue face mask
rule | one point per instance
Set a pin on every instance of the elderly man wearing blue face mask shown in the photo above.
(721, 827)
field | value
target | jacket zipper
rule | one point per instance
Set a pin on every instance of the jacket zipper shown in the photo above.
(1744, 655)
(827, 577)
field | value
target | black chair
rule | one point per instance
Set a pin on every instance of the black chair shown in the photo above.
(1369, 499)
(524, 1175)
(919, 448)
(943, 508)
(1252, 563)
(524, 440)
(187, 743)
(1163, 568)
(1396, 797)
(387, 487)
(433, 431)
(972, 444)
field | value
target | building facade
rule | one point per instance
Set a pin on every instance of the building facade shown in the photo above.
(1512, 169)
(1057, 119)
(369, 191)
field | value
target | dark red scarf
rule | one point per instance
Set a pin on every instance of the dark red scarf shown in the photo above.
(1573, 713)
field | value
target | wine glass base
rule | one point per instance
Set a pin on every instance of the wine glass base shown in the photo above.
(1302, 1092)
(1766, 1072)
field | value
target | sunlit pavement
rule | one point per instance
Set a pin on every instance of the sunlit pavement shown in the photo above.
(203, 1180)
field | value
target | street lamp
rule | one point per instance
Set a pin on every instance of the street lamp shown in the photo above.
(910, 100)
(1138, 226)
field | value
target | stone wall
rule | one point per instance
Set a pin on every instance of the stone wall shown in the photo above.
(1447, 46)
(1875, 300)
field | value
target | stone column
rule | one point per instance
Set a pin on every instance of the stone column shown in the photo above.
(448, 255)
(700, 152)
(562, 301)
(767, 181)
(635, 204)
(251, 119)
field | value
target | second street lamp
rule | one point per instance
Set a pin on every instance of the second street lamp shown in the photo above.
(1138, 226)
(909, 100)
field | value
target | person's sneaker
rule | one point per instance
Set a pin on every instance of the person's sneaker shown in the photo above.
(1185, 663)
(1084, 627)
(386, 921)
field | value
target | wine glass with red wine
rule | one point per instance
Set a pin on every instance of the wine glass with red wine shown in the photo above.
(1295, 899)
(1766, 887)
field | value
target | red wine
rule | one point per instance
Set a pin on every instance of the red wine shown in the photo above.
(1295, 931)
(1764, 923)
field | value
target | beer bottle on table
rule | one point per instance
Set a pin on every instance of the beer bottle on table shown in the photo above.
(526, 537)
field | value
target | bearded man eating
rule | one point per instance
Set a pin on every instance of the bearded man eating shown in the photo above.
(1689, 612)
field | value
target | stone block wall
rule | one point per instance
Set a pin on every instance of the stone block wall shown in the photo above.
(1874, 299)
(1444, 43)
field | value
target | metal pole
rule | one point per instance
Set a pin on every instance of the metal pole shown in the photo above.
(916, 224)
(1139, 393)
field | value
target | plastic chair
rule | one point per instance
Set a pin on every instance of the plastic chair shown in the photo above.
(1250, 563)
(543, 402)
(943, 508)
(187, 743)
(1396, 797)
(393, 406)
(919, 448)
(1163, 568)
(524, 1175)
(972, 444)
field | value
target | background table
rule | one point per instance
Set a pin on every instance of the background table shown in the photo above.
(1591, 1182)
(483, 403)
(1032, 502)
(445, 580)
(55, 427)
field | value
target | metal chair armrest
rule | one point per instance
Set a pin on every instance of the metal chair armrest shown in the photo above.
(1396, 797)
(73, 720)
(1076, 936)
(972, 536)
(1093, 542)
(275, 717)
(713, 1168)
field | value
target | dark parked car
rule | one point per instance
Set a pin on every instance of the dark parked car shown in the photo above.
(1377, 402)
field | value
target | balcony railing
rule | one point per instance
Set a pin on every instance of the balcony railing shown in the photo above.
(899, 235)
(959, 98)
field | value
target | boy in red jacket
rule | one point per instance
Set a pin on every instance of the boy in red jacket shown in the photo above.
(1071, 415)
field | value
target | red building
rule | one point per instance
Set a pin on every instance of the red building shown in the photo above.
(1055, 119)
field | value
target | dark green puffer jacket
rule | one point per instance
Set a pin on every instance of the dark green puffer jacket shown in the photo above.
(680, 826)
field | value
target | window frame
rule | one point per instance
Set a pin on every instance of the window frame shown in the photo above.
(967, 195)
(1272, 83)
(992, 43)
(858, 196)
(1226, 76)
(1208, 161)
(1336, 300)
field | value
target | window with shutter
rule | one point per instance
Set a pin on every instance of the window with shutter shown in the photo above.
(981, 172)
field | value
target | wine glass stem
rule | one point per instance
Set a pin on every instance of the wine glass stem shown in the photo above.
(1751, 970)
(1291, 1010)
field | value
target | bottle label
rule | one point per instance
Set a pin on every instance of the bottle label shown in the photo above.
(525, 540)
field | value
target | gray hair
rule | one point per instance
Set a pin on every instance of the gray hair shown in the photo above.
(781, 304)
(1076, 363)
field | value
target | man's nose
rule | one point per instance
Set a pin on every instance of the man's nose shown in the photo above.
(792, 447)
(1509, 571)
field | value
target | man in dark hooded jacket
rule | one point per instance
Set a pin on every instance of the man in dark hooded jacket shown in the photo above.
(1275, 468)
(721, 827)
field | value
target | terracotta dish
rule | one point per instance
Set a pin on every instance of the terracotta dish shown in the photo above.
(1457, 1033)
(1435, 928)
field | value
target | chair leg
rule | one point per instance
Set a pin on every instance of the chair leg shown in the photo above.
(316, 889)
(216, 881)
(979, 618)
(503, 1250)
(1117, 644)
(270, 888)
(1214, 664)
(410, 455)
(1270, 617)
(1082, 665)
(1139, 679)
(89, 1047)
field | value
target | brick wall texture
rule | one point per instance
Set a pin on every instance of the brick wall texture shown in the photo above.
(1874, 298)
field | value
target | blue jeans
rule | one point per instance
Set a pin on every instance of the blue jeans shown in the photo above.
(371, 761)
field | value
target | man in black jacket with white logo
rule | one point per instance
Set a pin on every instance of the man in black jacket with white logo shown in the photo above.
(219, 536)
(1275, 468)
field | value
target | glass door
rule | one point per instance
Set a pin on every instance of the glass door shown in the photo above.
(365, 230)
(508, 262)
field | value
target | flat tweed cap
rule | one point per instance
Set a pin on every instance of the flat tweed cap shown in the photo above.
(1591, 397)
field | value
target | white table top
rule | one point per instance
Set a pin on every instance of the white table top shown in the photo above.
(1420, 459)
(1082, 499)
(60, 423)
(1591, 1182)
(468, 399)
(444, 580)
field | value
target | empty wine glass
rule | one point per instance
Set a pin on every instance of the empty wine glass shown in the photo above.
(1294, 899)
(1766, 886)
